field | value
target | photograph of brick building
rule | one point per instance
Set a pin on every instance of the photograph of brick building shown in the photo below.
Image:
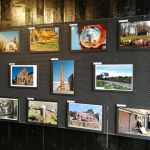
(134, 121)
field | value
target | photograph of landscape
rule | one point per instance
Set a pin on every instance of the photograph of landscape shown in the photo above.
(134, 121)
(114, 77)
(42, 112)
(63, 76)
(85, 116)
(88, 37)
(9, 42)
(45, 39)
(135, 34)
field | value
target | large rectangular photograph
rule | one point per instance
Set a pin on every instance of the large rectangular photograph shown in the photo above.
(9, 109)
(63, 76)
(44, 39)
(42, 112)
(9, 42)
(85, 116)
(135, 35)
(89, 37)
(134, 121)
(23, 76)
(117, 77)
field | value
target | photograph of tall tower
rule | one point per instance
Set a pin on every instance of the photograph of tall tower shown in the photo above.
(63, 77)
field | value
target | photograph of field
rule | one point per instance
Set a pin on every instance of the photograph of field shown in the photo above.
(45, 39)
(134, 121)
(63, 76)
(86, 116)
(88, 37)
(9, 42)
(42, 112)
(135, 34)
(114, 77)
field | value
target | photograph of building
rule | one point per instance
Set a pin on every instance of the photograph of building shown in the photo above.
(86, 116)
(134, 121)
(63, 76)
(114, 77)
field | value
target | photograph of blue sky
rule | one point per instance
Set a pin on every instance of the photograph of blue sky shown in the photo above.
(84, 107)
(17, 69)
(9, 36)
(68, 69)
(115, 70)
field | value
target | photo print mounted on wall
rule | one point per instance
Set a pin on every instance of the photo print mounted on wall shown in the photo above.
(9, 41)
(62, 77)
(87, 37)
(23, 76)
(9, 109)
(133, 121)
(117, 77)
(85, 116)
(134, 35)
(44, 39)
(42, 112)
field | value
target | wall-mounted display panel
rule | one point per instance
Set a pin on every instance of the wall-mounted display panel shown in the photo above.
(85, 116)
(9, 41)
(117, 77)
(23, 76)
(62, 81)
(42, 112)
(9, 109)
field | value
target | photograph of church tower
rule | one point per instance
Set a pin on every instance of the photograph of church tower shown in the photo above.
(63, 77)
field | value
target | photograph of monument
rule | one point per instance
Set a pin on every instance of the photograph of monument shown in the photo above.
(134, 121)
(135, 34)
(86, 116)
(88, 37)
(44, 39)
(9, 109)
(9, 42)
(43, 112)
(114, 77)
(63, 76)
(23, 76)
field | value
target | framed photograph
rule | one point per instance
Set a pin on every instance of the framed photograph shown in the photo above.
(44, 39)
(23, 76)
(42, 112)
(62, 77)
(85, 116)
(134, 35)
(9, 109)
(118, 77)
(88, 37)
(9, 41)
(133, 121)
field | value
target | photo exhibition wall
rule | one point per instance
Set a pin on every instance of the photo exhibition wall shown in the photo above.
(88, 76)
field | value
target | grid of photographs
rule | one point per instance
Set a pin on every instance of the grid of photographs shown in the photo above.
(85, 116)
(9, 109)
(42, 112)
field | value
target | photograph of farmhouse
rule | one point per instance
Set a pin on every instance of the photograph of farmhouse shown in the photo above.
(44, 39)
(85, 116)
(42, 112)
(9, 42)
(134, 121)
(114, 77)
(63, 76)
(135, 34)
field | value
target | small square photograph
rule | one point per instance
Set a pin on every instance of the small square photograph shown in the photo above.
(85, 116)
(9, 109)
(63, 77)
(9, 41)
(42, 112)
(23, 76)
(117, 77)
